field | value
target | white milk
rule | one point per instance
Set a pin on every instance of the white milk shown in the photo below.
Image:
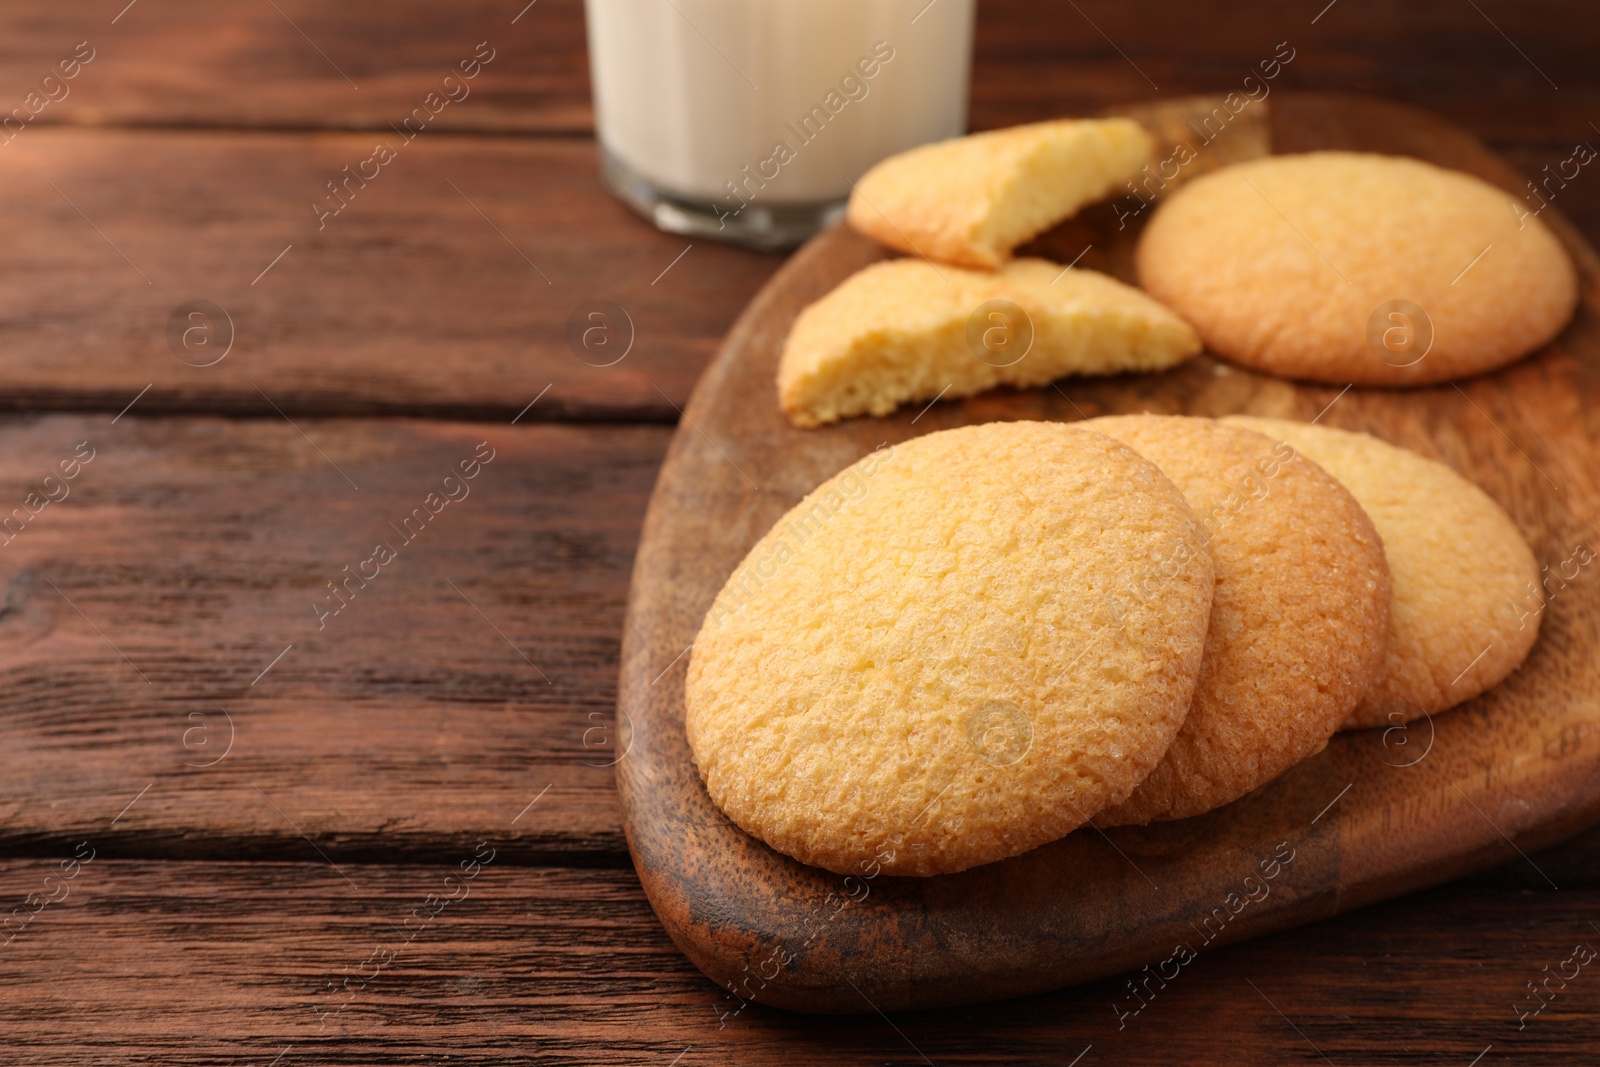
(738, 108)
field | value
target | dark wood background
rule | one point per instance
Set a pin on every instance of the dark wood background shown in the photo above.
(247, 903)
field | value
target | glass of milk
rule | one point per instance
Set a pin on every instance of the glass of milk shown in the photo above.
(747, 120)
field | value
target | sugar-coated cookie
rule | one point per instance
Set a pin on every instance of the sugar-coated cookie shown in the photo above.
(1299, 621)
(1467, 593)
(971, 200)
(1348, 267)
(953, 651)
(905, 330)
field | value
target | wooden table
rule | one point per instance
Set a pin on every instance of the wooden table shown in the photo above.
(242, 827)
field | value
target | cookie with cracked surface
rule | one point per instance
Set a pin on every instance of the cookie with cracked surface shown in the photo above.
(1352, 267)
(971, 200)
(930, 660)
(906, 330)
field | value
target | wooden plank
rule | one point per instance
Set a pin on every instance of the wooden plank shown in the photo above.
(1035, 62)
(215, 963)
(445, 286)
(167, 642)
(359, 65)
(187, 62)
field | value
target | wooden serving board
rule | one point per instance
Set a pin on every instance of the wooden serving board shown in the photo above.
(1378, 813)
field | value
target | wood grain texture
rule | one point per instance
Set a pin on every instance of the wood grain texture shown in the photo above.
(1379, 813)
(1037, 61)
(144, 613)
(186, 62)
(357, 65)
(409, 738)
(238, 963)
(444, 286)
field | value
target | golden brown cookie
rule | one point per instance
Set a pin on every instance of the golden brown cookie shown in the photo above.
(953, 651)
(1346, 267)
(1298, 623)
(906, 330)
(971, 200)
(1467, 596)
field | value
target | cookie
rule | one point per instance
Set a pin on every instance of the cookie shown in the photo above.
(906, 330)
(952, 652)
(971, 200)
(1298, 624)
(1345, 267)
(1467, 595)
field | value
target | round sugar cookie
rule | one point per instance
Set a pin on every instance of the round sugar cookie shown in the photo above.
(932, 661)
(1348, 267)
(1298, 623)
(1467, 597)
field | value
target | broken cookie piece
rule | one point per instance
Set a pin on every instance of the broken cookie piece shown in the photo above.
(971, 200)
(906, 330)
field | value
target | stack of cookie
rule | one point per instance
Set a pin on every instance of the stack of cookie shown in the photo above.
(968, 645)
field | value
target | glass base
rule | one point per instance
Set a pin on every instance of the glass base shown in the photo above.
(764, 227)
